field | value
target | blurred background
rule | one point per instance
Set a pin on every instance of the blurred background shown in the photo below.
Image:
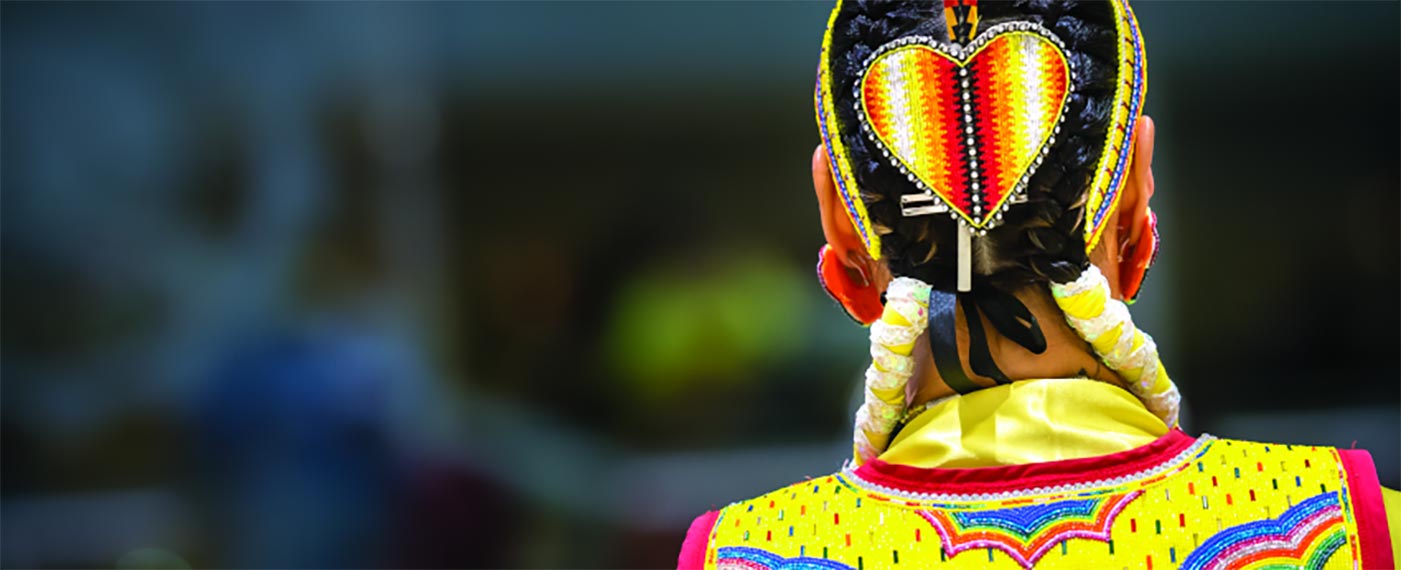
(530, 284)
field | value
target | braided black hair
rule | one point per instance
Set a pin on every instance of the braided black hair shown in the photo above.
(1038, 241)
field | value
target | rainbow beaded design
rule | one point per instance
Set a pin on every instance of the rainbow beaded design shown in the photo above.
(1216, 504)
(968, 124)
(1306, 535)
(744, 558)
(1026, 533)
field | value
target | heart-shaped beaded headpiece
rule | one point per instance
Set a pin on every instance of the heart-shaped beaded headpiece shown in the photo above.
(1110, 167)
(968, 125)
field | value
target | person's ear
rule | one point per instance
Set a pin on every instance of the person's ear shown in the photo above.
(1137, 226)
(1138, 189)
(845, 269)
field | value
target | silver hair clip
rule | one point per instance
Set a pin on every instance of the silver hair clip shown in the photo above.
(921, 205)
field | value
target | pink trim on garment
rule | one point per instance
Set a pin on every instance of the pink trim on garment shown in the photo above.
(1367, 505)
(697, 540)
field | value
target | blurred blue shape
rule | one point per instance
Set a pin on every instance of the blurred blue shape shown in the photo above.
(297, 451)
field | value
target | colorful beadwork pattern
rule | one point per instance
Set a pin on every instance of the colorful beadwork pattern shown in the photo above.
(968, 124)
(1026, 533)
(745, 558)
(1215, 503)
(1305, 536)
(1111, 171)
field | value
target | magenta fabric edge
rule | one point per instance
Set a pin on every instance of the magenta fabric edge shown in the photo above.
(697, 540)
(1367, 503)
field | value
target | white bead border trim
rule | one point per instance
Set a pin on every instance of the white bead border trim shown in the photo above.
(1202, 442)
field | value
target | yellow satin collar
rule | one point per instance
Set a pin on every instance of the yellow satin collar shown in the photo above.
(1028, 421)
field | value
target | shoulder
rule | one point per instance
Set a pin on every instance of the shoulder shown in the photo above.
(1306, 472)
(738, 530)
(827, 523)
(1214, 494)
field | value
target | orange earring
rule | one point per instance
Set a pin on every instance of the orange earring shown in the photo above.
(861, 302)
(1133, 270)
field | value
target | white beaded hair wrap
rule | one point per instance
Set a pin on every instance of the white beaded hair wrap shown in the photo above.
(893, 338)
(1105, 323)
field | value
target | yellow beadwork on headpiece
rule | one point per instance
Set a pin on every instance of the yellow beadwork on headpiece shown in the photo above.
(1112, 169)
(837, 156)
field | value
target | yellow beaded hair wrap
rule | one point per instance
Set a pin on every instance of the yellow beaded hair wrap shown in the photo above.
(893, 340)
(1089, 308)
(1105, 323)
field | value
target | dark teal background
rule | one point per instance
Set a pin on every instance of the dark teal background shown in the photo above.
(530, 284)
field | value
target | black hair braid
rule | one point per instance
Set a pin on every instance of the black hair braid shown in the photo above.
(1039, 241)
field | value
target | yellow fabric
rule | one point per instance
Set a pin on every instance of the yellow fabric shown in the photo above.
(1392, 500)
(1026, 422)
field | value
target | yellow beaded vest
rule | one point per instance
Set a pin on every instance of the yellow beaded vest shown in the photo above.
(1176, 502)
